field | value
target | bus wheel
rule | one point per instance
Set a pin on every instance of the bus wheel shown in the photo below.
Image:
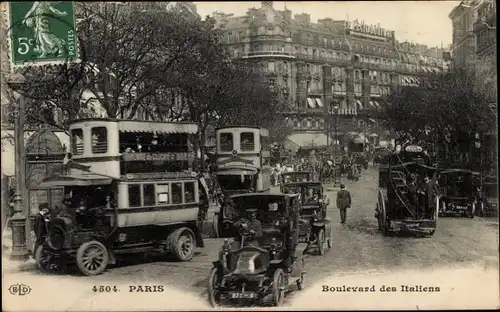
(182, 244)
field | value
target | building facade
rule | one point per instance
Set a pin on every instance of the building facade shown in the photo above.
(336, 72)
(463, 17)
(485, 30)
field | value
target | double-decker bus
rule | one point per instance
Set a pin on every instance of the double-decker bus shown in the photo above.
(243, 159)
(128, 188)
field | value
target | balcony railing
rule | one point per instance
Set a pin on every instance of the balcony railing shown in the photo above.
(285, 54)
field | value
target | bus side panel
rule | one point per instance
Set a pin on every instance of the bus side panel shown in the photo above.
(156, 217)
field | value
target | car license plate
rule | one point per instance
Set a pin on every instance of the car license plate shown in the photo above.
(461, 207)
(244, 295)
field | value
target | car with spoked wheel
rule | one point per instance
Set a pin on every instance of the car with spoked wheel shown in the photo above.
(261, 272)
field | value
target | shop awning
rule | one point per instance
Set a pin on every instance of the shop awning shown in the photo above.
(318, 101)
(376, 104)
(371, 120)
(357, 55)
(359, 104)
(157, 127)
(311, 103)
(371, 104)
(373, 135)
(309, 139)
(67, 180)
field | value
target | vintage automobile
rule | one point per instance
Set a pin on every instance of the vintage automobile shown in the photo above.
(401, 206)
(263, 272)
(113, 207)
(315, 228)
(490, 196)
(222, 223)
(461, 194)
(297, 176)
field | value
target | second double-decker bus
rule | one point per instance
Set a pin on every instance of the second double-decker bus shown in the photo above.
(243, 159)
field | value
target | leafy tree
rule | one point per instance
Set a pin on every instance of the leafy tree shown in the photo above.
(450, 110)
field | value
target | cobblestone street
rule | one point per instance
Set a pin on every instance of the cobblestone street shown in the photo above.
(358, 249)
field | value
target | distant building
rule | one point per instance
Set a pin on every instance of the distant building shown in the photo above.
(347, 64)
(486, 30)
(463, 17)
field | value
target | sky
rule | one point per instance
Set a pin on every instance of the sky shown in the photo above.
(424, 22)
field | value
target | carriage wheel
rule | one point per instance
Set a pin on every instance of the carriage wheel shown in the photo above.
(377, 209)
(383, 216)
(321, 242)
(92, 258)
(278, 288)
(212, 288)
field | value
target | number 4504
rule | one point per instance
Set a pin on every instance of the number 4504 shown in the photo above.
(25, 45)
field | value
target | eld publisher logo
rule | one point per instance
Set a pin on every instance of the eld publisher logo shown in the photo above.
(19, 289)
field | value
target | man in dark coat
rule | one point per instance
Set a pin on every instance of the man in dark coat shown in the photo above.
(343, 202)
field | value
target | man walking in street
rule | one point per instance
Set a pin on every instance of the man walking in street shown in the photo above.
(343, 202)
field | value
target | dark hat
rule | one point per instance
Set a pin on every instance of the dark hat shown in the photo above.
(342, 186)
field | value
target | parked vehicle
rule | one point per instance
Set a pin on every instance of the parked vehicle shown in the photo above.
(460, 192)
(401, 204)
(315, 228)
(490, 196)
(263, 273)
(127, 189)
(356, 149)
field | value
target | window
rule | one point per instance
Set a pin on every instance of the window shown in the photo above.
(247, 141)
(163, 194)
(270, 66)
(77, 141)
(226, 142)
(99, 140)
(148, 194)
(134, 195)
(176, 193)
(189, 192)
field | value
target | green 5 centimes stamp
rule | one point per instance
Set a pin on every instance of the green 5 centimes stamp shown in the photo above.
(42, 32)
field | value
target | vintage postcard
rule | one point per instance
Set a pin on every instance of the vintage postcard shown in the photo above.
(314, 155)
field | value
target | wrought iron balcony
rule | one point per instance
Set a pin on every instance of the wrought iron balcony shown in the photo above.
(257, 54)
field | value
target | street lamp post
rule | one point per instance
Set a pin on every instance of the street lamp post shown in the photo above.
(334, 111)
(18, 219)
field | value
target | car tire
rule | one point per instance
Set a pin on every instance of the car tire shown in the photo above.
(182, 244)
(92, 258)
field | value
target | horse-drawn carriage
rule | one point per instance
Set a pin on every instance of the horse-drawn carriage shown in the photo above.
(314, 228)
(460, 192)
(264, 271)
(405, 201)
